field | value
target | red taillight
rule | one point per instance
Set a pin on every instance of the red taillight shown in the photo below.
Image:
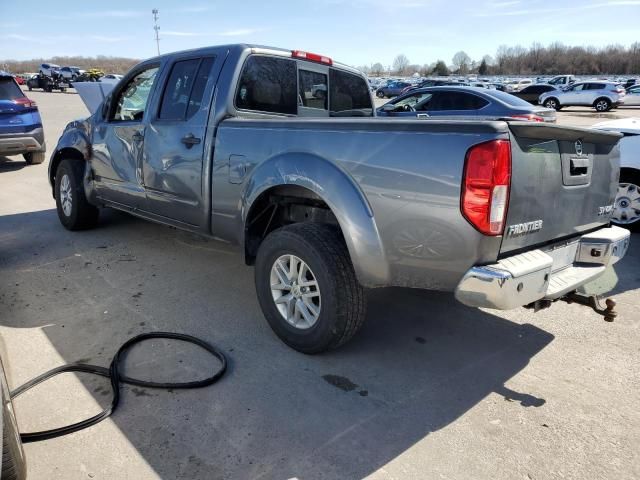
(312, 57)
(530, 118)
(25, 102)
(486, 184)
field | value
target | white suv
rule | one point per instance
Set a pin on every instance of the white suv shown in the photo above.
(602, 96)
(48, 69)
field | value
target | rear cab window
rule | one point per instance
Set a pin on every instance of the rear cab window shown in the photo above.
(284, 86)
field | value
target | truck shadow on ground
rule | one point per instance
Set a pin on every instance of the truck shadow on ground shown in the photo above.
(421, 361)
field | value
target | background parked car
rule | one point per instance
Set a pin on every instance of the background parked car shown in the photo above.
(464, 101)
(600, 95)
(71, 73)
(21, 131)
(630, 83)
(517, 85)
(627, 204)
(48, 69)
(111, 77)
(532, 92)
(431, 82)
(560, 81)
(632, 98)
(392, 89)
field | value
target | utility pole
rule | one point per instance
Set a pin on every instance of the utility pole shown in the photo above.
(156, 27)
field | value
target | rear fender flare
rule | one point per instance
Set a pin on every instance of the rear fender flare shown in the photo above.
(343, 196)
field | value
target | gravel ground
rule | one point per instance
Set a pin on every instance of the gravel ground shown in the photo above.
(428, 389)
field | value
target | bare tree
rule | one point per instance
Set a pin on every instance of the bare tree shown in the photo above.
(377, 69)
(461, 62)
(400, 64)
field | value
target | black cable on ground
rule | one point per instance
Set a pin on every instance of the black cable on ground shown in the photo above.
(113, 373)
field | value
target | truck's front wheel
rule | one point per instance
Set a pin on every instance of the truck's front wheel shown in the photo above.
(307, 287)
(74, 210)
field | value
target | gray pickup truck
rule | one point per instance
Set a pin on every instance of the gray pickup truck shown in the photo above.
(240, 144)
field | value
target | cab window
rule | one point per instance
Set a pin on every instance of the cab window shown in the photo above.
(131, 102)
(268, 84)
(312, 88)
(349, 95)
(184, 90)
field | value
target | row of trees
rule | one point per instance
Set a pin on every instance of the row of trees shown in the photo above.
(535, 60)
(107, 64)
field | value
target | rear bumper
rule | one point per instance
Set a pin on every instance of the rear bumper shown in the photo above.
(541, 274)
(18, 143)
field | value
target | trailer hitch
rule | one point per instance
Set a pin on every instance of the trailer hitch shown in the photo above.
(592, 301)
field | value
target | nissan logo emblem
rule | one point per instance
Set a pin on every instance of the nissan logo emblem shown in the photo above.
(578, 146)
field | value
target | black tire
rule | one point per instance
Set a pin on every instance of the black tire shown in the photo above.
(81, 215)
(628, 177)
(29, 87)
(33, 158)
(552, 103)
(602, 105)
(343, 301)
(13, 462)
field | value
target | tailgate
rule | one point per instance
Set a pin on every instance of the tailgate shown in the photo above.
(564, 182)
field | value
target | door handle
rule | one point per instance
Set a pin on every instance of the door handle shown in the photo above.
(190, 140)
(422, 115)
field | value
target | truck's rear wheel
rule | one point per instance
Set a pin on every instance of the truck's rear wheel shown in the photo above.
(627, 205)
(74, 211)
(307, 287)
(13, 463)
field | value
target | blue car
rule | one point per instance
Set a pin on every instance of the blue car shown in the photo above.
(21, 131)
(391, 89)
(479, 103)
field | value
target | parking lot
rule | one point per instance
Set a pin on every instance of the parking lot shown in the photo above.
(428, 389)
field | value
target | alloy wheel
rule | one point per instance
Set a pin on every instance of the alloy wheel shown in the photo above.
(295, 291)
(66, 195)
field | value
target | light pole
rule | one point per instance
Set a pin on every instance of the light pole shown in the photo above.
(156, 27)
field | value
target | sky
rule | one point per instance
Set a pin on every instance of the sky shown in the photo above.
(356, 32)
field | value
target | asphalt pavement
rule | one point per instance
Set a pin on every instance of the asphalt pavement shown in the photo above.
(428, 389)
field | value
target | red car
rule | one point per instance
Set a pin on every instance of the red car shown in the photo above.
(19, 79)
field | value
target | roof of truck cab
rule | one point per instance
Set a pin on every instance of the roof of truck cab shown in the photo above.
(255, 47)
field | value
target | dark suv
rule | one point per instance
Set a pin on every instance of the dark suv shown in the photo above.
(21, 131)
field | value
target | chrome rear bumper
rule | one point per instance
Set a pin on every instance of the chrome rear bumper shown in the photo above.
(547, 273)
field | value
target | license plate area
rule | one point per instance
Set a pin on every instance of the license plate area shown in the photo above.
(576, 170)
